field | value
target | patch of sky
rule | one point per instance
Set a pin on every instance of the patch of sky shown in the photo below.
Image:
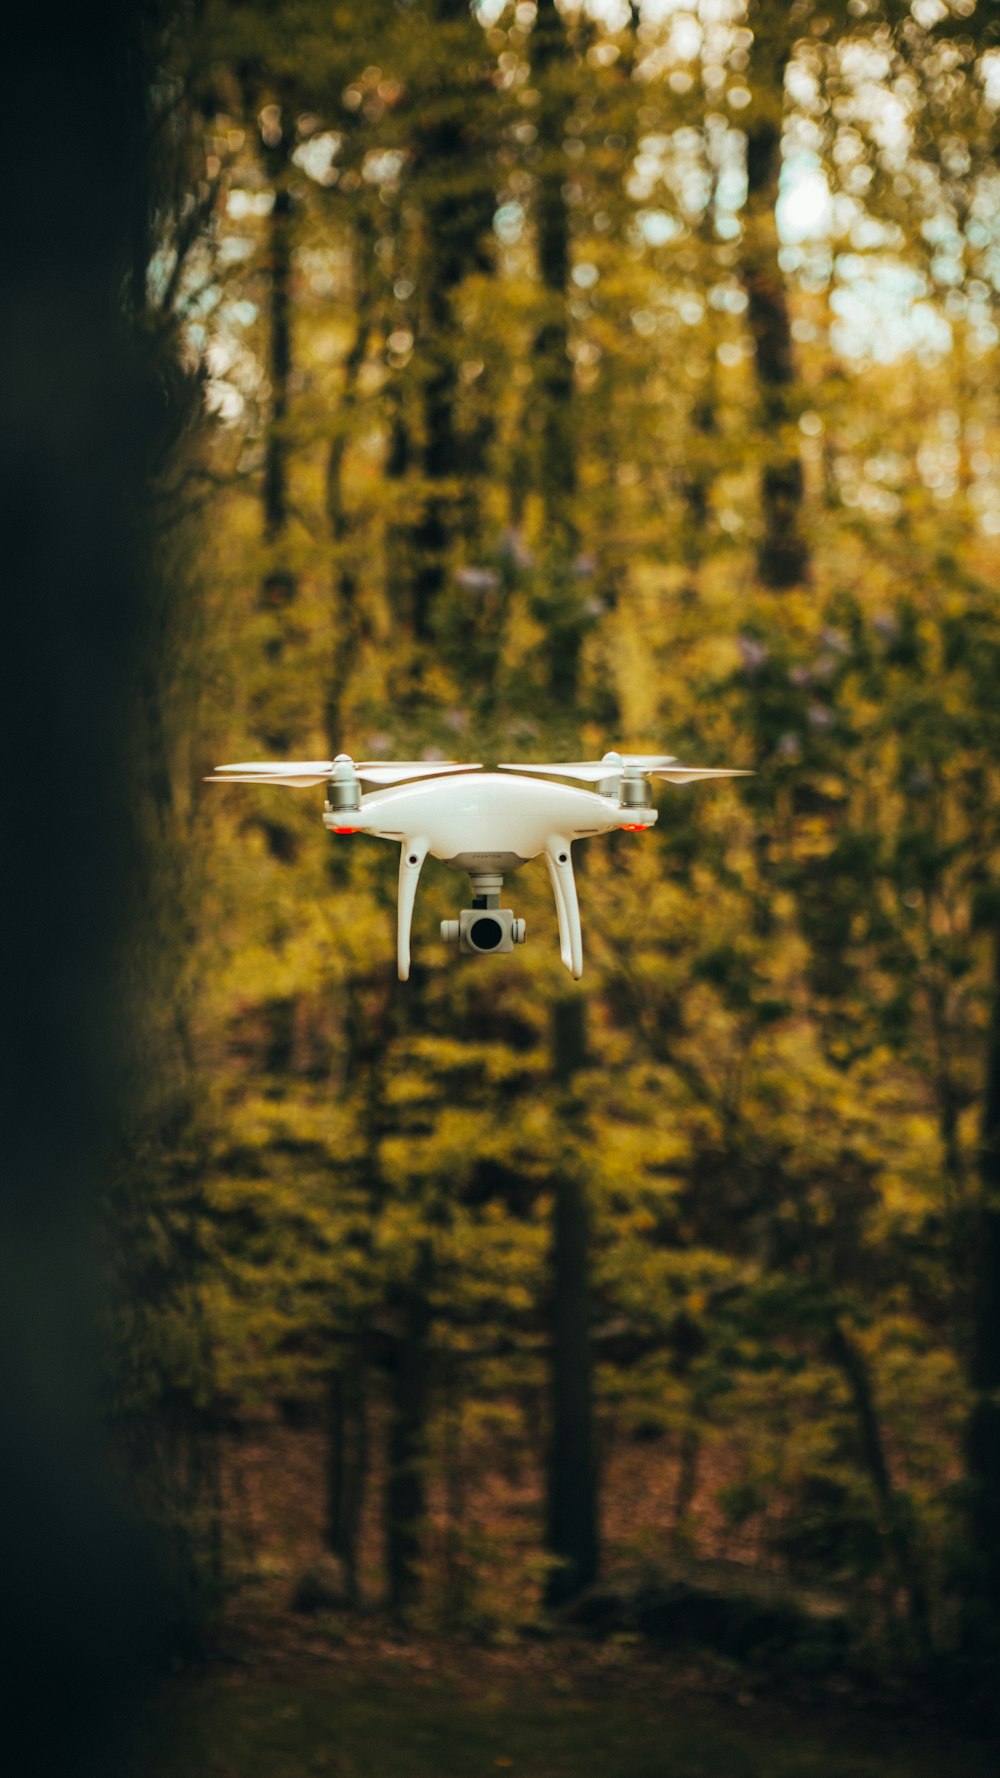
(614, 15)
(882, 312)
(240, 204)
(203, 302)
(225, 402)
(158, 276)
(382, 166)
(316, 157)
(685, 36)
(657, 227)
(238, 314)
(508, 223)
(989, 71)
(805, 207)
(881, 305)
(234, 248)
(730, 298)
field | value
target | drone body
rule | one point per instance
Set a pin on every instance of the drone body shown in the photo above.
(486, 825)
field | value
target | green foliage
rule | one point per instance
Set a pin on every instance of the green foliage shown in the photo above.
(787, 981)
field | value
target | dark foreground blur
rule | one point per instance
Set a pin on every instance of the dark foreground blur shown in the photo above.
(79, 1599)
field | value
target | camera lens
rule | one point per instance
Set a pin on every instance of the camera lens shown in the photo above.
(485, 933)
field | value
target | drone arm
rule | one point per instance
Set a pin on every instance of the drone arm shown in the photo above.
(559, 859)
(411, 857)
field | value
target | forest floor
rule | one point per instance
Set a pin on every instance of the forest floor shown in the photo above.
(347, 1694)
(380, 1720)
(290, 1700)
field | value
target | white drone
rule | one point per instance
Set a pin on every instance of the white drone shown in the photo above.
(485, 825)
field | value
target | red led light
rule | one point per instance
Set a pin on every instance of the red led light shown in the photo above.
(345, 830)
(634, 826)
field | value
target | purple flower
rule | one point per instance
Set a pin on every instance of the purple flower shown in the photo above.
(516, 550)
(478, 580)
(753, 654)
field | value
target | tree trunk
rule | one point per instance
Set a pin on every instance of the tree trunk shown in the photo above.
(687, 1481)
(571, 1521)
(409, 1392)
(456, 1570)
(571, 1526)
(894, 1507)
(556, 467)
(571, 1532)
(983, 1430)
(783, 554)
(279, 583)
(347, 1456)
(346, 624)
(458, 214)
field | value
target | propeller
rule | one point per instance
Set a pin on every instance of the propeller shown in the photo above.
(300, 774)
(634, 765)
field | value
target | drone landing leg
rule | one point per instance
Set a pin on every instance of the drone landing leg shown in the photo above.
(559, 859)
(411, 857)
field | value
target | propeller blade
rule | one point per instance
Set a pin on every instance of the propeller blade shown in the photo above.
(397, 771)
(688, 774)
(591, 771)
(300, 774)
(588, 769)
(650, 765)
(297, 774)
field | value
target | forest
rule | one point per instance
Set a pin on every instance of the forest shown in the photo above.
(525, 381)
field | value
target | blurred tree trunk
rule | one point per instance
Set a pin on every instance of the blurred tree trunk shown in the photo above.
(347, 1453)
(557, 474)
(556, 464)
(982, 1629)
(701, 460)
(456, 1567)
(783, 553)
(347, 624)
(409, 1407)
(456, 180)
(699, 476)
(687, 1482)
(893, 1506)
(571, 1524)
(571, 1521)
(454, 189)
(279, 586)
